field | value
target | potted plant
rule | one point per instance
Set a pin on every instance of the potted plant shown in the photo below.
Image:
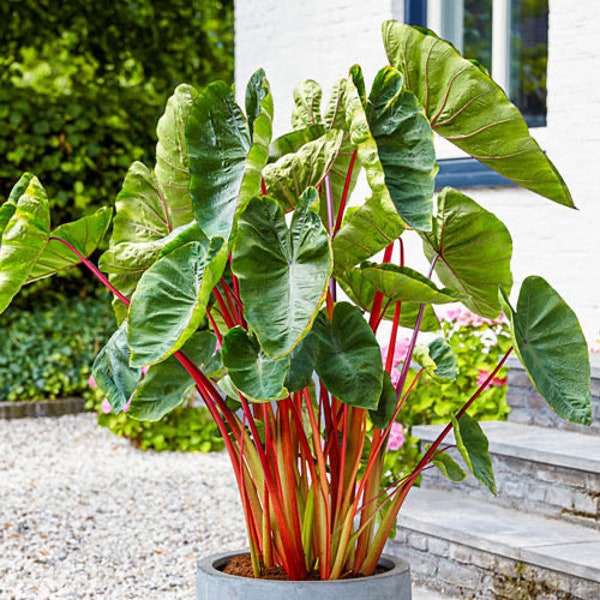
(228, 260)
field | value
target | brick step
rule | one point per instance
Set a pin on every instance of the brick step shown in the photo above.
(529, 408)
(469, 548)
(550, 472)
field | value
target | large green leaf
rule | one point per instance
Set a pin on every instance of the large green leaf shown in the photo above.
(293, 141)
(23, 240)
(150, 204)
(112, 372)
(405, 147)
(362, 292)
(84, 235)
(307, 104)
(217, 142)
(140, 221)
(473, 447)
(335, 118)
(302, 364)
(549, 341)
(257, 376)
(7, 210)
(288, 177)
(172, 162)
(283, 273)
(368, 230)
(474, 249)
(376, 223)
(259, 105)
(170, 300)
(165, 384)
(348, 357)
(406, 284)
(465, 106)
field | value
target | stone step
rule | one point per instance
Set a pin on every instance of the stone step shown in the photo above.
(551, 472)
(469, 548)
(529, 408)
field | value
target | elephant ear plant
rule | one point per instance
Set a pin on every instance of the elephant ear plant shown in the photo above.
(227, 262)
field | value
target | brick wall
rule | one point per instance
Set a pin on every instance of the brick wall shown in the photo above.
(321, 40)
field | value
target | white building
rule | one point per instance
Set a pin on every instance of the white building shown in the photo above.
(320, 40)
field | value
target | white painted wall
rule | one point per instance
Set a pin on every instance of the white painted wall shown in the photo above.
(321, 40)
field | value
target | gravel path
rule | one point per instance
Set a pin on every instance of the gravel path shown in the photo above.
(85, 515)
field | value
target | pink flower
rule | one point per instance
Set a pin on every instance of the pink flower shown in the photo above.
(91, 381)
(106, 407)
(396, 438)
(495, 382)
(399, 357)
(463, 317)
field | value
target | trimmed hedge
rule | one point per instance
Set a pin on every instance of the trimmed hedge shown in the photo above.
(47, 352)
(82, 87)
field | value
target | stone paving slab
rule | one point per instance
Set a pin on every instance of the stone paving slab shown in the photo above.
(547, 543)
(563, 448)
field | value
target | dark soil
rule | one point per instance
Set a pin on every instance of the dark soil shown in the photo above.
(241, 565)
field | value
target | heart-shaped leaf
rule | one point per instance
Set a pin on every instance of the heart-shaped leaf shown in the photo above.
(24, 238)
(283, 273)
(473, 447)
(349, 357)
(165, 384)
(288, 177)
(84, 235)
(362, 292)
(172, 161)
(218, 143)
(406, 284)
(291, 142)
(307, 104)
(549, 341)
(366, 231)
(465, 106)
(259, 105)
(405, 147)
(376, 223)
(170, 300)
(112, 372)
(257, 376)
(474, 249)
(7, 210)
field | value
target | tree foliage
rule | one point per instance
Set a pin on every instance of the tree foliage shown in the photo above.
(82, 85)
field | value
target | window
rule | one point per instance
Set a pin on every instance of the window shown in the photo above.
(508, 37)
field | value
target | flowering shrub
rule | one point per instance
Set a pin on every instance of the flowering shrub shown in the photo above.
(477, 344)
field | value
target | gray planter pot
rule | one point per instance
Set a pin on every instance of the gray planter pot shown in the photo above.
(212, 584)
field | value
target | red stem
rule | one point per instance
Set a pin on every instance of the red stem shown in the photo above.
(342, 208)
(94, 269)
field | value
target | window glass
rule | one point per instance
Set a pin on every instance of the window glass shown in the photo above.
(519, 43)
(529, 57)
(468, 25)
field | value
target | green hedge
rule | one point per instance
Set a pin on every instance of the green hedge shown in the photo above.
(82, 87)
(47, 352)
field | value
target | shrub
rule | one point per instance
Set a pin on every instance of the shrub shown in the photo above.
(187, 428)
(477, 344)
(81, 89)
(55, 360)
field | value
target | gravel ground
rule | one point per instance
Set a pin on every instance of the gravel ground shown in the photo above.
(83, 514)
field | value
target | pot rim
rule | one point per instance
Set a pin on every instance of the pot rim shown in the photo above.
(212, 565)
